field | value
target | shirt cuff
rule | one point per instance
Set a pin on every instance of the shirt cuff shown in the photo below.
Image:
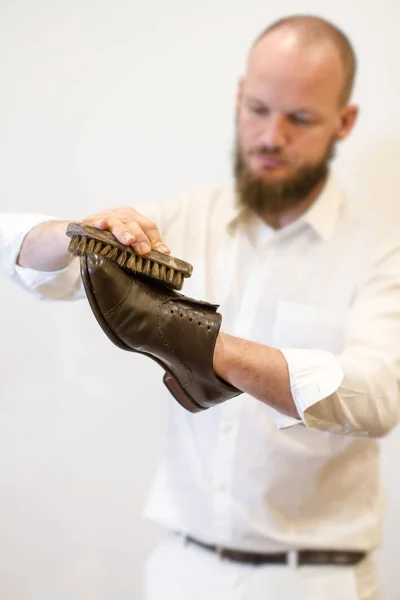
(64, 283)
(314, 375)
(55, 285)
(13, 229)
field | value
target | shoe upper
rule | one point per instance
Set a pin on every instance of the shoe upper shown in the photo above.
(178, 332)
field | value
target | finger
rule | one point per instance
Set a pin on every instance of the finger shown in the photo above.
(130, 227)
(130, 230)
(151, 231)
(109, 220)
(127, 233)
(101, 224)
(98, 220)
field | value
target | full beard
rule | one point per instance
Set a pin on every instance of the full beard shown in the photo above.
(273, 197)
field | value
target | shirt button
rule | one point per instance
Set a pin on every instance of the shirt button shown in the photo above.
(221, 487)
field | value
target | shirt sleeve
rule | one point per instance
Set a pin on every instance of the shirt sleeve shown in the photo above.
(314, 375)
(357, 392)
(64, 284)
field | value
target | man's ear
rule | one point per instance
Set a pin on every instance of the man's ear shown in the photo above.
(348, 120)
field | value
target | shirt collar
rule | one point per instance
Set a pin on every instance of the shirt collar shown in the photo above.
(321, 216)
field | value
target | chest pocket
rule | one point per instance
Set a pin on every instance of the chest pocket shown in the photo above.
(308, 327)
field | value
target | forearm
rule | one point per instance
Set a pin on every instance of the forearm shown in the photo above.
(355, 394)
(258, 370)
(45, 247)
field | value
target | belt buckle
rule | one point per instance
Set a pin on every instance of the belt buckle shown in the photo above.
(220, 551)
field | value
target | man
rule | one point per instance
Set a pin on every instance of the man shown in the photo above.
(272, 494)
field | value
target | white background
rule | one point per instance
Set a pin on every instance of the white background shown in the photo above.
(102, 104)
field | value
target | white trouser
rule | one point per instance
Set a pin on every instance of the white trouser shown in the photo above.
(179, 571)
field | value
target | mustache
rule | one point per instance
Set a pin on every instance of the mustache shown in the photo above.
(265, 151)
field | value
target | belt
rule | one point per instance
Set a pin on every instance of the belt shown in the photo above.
(295, 558)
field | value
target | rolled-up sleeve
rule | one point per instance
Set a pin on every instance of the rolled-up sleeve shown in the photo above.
(358, 392)
(64, 284)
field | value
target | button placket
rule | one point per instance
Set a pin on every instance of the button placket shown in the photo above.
(225, 455)
(225, 459)
(224, 467)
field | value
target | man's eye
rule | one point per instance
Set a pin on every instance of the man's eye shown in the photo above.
(300, 119)
(260, 111)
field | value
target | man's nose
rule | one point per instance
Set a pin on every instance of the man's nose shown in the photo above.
(273, 135)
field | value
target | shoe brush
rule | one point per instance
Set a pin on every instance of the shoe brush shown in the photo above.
(156, 266)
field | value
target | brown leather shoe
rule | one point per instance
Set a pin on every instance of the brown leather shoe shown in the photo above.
(179, 333)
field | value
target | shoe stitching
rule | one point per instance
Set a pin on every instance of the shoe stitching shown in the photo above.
(121, 303)
(196, 315)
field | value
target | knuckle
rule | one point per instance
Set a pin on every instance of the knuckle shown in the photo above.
(132, 223)
(118, 227)
(141, 236)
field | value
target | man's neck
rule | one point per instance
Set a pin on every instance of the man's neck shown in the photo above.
(285, 217)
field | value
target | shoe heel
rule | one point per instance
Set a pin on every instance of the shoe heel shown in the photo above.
(175, 388)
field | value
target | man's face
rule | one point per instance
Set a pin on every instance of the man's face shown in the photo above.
(288, 120)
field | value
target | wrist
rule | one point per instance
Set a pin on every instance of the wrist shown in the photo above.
(221, 356)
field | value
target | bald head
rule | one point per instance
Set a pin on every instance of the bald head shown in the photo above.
(315, 35)
(292, 110)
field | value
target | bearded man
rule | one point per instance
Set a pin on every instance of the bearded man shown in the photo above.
(273, 493)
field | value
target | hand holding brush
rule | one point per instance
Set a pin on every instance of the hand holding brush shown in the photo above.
(123, 235)
(157, 266)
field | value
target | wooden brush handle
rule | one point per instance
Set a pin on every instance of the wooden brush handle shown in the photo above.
(106, 237)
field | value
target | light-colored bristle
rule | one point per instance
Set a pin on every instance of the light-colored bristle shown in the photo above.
(147, 267)
(163, 273)
(122, 259)
(105, 250)
(155, 271)
(131, 263)
(74, 243)
(90, 246)
(170, 275)
(82, 245)
(178, 280)
(113, 254)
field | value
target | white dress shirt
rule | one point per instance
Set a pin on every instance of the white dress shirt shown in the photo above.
(326, 291)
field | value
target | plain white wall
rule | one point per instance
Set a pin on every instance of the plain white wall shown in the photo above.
(102, 104)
